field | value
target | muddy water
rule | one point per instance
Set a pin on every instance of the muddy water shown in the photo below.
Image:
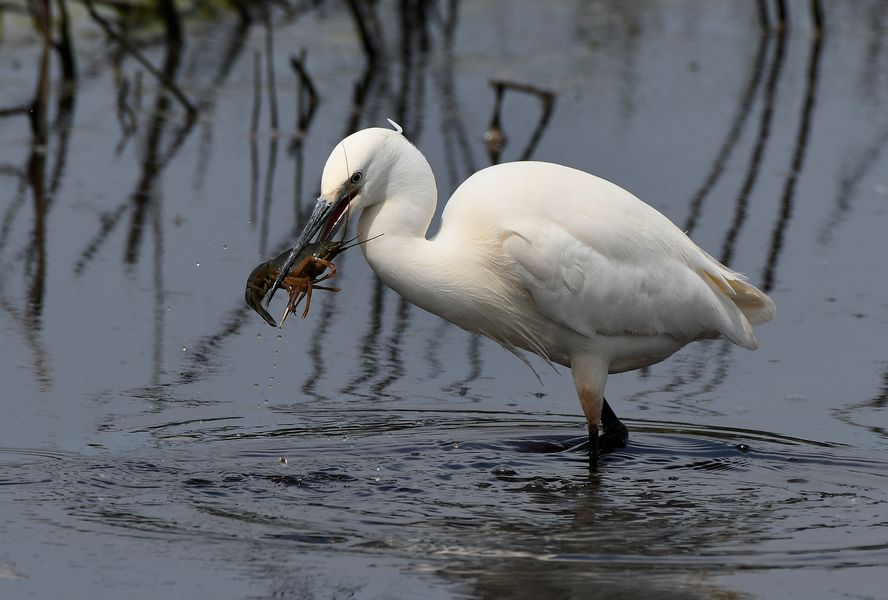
(158, 438)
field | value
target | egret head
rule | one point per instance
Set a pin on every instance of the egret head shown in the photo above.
(358, 173)
(362, 170)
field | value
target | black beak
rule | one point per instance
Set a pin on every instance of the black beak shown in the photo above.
(327, 217)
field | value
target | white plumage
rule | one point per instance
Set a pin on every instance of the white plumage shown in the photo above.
(539, 257)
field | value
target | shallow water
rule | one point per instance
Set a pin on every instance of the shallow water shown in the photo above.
(158, 437)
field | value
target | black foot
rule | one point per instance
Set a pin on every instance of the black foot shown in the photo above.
(615, 435)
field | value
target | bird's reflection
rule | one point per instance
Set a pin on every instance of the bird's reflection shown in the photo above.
(587, 542)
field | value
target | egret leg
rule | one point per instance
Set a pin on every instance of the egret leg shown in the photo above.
(594, 445)
(590, 373)
(616, 434)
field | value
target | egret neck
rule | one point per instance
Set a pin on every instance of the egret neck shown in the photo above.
(445, 275)
(397, 249)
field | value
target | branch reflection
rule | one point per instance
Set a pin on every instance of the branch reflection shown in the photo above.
(798, 161)
(758, 152)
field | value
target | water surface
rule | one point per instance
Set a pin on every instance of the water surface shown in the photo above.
(157, 435)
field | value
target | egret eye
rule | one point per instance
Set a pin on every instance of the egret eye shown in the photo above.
(357, 177)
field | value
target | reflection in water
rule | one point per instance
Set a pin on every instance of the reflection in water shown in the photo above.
(620, 27)
(273, 138)
(413, 23)
(722, 363)
(36, 256)
(860, 414)
(126, 116)
(744, 109)
(268, 194)
(874, 58)
(369, 344)
(508, 515)
(495, 141)
(476, 366)
(857, 166)
(146, 198)
(18, 200)
(203, 351)
(492, 503)
(168, 14)
(758, 152)
(495, 138)
(366, 21)
(158, 152)
(414, 41)
(452, 126)
(689, 380)
(796, 164)
(368, 85)
(29, 318)
(415, 44)
(304, 116)
(67, 93)
(394, 368)
(269, 70)
(254, 132)
(232, 52)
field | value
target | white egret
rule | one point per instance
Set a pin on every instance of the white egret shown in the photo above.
(538, 257)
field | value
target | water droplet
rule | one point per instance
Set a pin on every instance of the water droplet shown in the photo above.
(258, 336)
(279, 337)
(197, 264)
(184, 348)
(225, 246)
(274, 366)
(256, 386)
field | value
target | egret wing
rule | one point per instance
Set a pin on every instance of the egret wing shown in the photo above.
(599, 261)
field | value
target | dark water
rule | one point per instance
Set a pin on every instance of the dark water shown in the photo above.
(157, 438)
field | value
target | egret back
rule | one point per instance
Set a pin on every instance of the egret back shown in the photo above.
(600, 262)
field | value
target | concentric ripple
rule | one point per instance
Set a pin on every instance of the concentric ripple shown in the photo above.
(485, 493)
